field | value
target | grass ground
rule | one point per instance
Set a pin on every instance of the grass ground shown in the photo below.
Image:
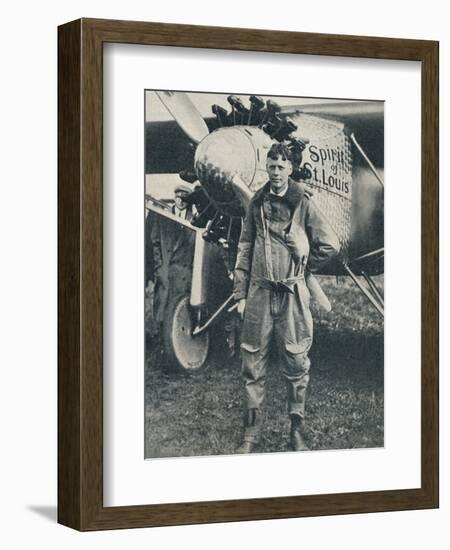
(202, 414)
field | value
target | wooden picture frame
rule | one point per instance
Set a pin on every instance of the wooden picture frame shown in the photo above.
(80, 273)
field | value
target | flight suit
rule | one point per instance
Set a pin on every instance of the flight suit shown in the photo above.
(280, 238)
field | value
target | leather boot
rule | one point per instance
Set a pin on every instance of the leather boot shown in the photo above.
(252, 422)
(297, 439)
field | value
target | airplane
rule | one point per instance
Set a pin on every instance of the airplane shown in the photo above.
(338, 152)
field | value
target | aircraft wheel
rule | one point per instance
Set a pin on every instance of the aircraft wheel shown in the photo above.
(185, 352)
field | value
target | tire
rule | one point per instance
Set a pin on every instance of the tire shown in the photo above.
(184, 352)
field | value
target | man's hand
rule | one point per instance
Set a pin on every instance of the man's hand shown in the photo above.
(241, 307)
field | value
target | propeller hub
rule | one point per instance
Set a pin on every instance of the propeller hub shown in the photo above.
(229, 152)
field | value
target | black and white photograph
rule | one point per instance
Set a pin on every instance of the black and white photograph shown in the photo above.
(264, 273)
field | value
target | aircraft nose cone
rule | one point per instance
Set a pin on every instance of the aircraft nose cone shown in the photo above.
(220, 156)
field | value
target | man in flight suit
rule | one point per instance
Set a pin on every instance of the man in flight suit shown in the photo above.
(283, 235)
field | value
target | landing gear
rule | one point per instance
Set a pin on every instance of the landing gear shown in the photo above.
(184, 352)
(370, 291)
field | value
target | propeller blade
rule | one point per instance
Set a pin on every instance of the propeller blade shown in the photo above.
(186, 115)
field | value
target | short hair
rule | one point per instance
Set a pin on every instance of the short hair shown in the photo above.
(280, 150)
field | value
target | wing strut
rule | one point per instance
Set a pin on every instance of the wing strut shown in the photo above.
(367, 159)
(373, 288)
(370, 291)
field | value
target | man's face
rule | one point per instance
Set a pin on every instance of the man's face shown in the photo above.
(179, 201)
(279, 171)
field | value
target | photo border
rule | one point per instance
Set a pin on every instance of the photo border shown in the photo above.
(80, 274)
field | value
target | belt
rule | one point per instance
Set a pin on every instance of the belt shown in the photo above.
(283, 285)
